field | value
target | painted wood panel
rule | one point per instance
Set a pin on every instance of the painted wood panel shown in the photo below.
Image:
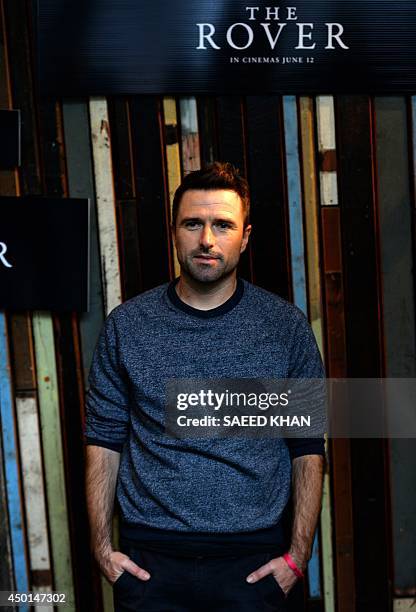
(327, 150)
(104, 191)
(53, 454)
(190, 154)
(32, 474)
(294, 190)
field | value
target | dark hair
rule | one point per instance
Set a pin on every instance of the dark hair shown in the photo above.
(218, 175)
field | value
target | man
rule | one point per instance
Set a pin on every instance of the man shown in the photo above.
(202, 520)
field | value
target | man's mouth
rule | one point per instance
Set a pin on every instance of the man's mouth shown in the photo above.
(205, 257)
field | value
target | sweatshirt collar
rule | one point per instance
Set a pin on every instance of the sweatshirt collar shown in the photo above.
(212, 312)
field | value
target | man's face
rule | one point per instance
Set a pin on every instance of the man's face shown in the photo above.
(209, 234)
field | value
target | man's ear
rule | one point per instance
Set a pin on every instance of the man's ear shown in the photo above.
(246, 235)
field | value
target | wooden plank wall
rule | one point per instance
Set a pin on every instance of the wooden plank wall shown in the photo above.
(333, 196)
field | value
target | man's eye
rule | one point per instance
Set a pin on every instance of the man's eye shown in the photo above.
(191, 224)
(223, 225)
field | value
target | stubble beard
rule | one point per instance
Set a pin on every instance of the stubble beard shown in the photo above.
(206, 273)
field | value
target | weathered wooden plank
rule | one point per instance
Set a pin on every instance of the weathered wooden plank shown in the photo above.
(53, 453)
(270, 236)
(22, 352)
(404, 605)
(152, 191)
(327, 150)
(311, 211)
(32, 473)
(311, 216)
(104, 189)
(396, 253)
(173, 159)
(191, 157)
(11, 465)
(294, 190)
(6, 566)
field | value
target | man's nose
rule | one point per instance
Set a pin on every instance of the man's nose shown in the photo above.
(207, 237)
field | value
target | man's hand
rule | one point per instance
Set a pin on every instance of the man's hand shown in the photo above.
(114, 563)
(281, 572)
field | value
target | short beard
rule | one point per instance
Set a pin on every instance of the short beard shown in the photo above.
(206, 275)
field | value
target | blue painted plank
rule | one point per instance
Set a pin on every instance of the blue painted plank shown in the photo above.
(314, 570)
(295, 203)
(297, 252)
(11, 468)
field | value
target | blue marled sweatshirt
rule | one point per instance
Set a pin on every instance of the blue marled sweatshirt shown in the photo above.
(221, 485)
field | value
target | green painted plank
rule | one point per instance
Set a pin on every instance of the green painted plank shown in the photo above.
(52, 454)
(81, 185)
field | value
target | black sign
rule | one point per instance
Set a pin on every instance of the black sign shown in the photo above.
(227, 46)
(9, 139)
(44, 253)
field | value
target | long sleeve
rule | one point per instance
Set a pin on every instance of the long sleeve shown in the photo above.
(107, 401)
(306, 363)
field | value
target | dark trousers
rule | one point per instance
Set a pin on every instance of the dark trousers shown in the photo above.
(197, 584)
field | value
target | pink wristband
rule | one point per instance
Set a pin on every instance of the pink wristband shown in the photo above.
(298, 572)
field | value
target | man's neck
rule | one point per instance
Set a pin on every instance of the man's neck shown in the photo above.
(205, 296)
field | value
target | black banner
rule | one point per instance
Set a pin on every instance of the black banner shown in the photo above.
(44, 253)
(228, 46)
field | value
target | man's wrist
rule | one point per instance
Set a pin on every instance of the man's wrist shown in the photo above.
(299, 558)
(101, 551)
(291, 563)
